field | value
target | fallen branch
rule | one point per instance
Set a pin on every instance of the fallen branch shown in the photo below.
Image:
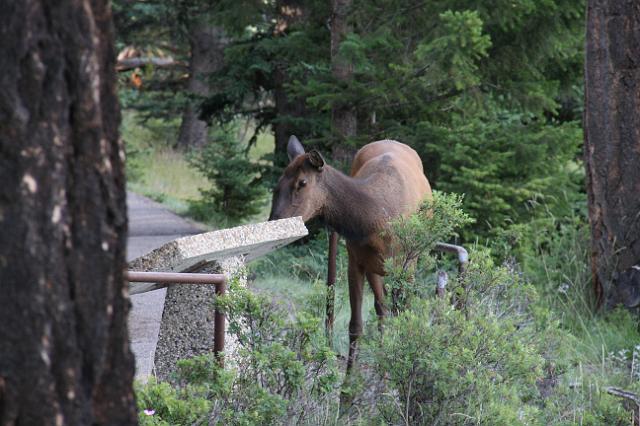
(628, 396)
(132, 63)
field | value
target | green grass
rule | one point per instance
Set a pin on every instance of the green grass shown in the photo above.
(296, 275)
(296, 293)
(168, 178)
(156, 170)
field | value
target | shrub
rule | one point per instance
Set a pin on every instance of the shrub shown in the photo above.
(283, 372)
(446, 368)
(236, 189)
(506, 356)
(415, 236)
(161, 404)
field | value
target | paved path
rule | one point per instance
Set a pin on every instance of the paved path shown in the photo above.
(150, 226)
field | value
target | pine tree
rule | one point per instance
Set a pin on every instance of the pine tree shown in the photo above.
(64, 347)
(236, 189)
(612, 150)
(469, 87)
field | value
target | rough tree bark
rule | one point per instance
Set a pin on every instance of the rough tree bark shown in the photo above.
(207, 45)
(612, 148)
(343, 126)
(64, 350)
(290, 12)
(343, 116)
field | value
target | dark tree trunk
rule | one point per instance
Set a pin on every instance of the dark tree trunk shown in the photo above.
(286, 110)
(64, 350)
(612, 148)
(290, 12)
(207, 45)
(343, 116)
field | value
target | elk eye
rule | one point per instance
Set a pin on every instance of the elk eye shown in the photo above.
(302, 183)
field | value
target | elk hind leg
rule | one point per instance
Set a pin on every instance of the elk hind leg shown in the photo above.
(377, 286)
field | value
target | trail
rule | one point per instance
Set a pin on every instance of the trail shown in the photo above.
(150, 226)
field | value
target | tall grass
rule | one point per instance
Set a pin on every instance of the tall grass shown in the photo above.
(557, 264)
(154, 168)
(296, 275)
(168, 178)
(159, 171)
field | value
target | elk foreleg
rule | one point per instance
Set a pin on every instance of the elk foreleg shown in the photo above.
(331, 281)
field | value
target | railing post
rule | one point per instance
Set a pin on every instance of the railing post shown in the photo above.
(463, 255)
(443, 278)
(463, 262)
(331, 281)
(220, 282)
(219, 325)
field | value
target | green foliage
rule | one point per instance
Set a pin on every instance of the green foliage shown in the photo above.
(413, 237)
(283, 371)
(236, 190)
(488, 95)
(509, 354)
(160, 404)
(157, 29)
(481, 364)
(462, 34)
(506, 358)
(478, 370)
(508, 163)
(554, 255)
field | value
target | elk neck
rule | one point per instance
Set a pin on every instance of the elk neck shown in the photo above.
(352, 207)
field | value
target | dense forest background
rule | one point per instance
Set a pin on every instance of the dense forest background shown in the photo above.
(526, 114)
(491, 95)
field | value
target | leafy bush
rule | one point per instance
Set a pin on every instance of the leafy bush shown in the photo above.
(446, 368)
(502, 357)
(413, 237)
(161, 404)
(505, 355)
(283, 372)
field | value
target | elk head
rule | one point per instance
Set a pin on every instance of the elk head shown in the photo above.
(300, 190)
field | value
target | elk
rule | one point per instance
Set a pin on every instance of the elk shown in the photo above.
(386, 181)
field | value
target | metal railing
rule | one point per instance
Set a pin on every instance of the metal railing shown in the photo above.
(220, 282)
(463, 261)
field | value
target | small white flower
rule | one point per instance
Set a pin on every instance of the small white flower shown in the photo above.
(149, 412)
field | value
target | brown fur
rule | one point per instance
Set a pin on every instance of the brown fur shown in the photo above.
(387, 180)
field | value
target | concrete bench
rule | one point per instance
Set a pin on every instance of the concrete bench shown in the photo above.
(177, 322)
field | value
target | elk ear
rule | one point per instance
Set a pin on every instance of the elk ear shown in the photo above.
(316, 159)
(294, 148)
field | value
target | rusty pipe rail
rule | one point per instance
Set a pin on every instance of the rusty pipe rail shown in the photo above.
(220, 282)
(463, 261)
(463, 255)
